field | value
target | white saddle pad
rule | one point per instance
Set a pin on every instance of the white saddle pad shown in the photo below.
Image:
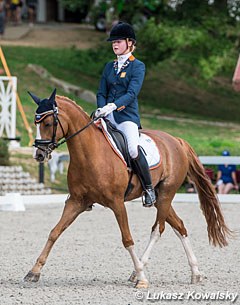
(147, 143)
(151, 151)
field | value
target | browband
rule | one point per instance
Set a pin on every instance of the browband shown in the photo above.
(40, 116)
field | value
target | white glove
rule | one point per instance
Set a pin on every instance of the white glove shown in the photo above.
(106, 110)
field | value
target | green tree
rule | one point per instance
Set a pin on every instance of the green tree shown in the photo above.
(185, 10)
(196, 10)
(74, 5)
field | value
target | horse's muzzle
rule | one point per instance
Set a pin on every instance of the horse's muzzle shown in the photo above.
(40, 155)
(44, 149)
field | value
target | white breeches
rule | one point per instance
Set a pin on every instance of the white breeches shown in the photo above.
(130, 130)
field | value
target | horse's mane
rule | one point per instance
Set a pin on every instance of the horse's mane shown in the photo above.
(73, 103)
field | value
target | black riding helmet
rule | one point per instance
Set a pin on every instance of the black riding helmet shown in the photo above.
(122, 30)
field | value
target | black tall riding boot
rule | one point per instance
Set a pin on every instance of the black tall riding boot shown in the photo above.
(141, 168)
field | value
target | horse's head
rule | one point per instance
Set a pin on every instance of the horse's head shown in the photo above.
(46, 121)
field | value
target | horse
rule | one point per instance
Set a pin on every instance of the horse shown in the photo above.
(91, 156)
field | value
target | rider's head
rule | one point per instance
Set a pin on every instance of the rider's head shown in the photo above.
(225, 153)
(123, 31)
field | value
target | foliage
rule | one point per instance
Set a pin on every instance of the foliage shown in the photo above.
(189, 11)
(206, 49)
(74, 5)
(4, 154)
(234, 9)
(195, 10)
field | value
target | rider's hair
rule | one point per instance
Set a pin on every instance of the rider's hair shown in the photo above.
(133, 46)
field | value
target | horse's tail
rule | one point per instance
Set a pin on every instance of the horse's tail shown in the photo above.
(218, 231)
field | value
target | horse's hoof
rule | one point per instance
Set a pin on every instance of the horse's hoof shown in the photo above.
(198, 278)
(32, 277)
(133, 277)
(141, 284)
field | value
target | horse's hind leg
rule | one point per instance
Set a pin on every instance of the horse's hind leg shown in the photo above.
(71, 210)
(178, 227)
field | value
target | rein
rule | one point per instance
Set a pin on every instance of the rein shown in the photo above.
(77, 132)
(52, 144)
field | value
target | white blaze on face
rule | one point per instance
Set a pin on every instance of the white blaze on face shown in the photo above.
(38, 137)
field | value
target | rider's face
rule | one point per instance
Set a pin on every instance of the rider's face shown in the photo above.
(121, 46)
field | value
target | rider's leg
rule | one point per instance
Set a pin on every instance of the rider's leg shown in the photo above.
(139, 161)
(141, 168)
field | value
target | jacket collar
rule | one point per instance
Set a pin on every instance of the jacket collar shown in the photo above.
(126, 63)
(122, 58)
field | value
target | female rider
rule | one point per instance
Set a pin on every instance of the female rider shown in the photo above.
(119, 87)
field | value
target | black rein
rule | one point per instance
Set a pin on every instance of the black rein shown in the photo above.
(77, 132)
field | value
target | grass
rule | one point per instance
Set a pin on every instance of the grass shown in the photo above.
(205, 139)
(167, 88)
(163, 94)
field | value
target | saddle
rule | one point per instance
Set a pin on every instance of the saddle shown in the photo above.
(147, 145)
(120, 141)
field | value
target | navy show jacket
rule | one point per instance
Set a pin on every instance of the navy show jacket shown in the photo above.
(122, 89)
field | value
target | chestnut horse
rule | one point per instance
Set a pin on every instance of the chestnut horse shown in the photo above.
(91, 156)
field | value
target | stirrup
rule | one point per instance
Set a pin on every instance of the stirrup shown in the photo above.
(150, 197)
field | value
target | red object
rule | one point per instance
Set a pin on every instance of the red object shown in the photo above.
(238, 176)
(236, 76)
(1, 71)
(210, 173)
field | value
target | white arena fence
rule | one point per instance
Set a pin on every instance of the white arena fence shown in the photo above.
(17, 202)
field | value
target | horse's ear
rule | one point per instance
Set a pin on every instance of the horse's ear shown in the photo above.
(52, 97)
(36, 99)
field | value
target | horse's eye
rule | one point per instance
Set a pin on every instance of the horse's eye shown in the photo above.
(48, 125)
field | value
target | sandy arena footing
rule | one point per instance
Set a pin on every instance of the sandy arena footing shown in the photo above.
(88, 264)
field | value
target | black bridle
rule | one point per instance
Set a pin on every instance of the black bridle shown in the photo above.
(47, 146)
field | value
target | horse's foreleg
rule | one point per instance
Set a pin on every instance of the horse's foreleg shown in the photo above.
(142, 281)
(163, 205)
(145, 257)
(181, 232)
(71, 211)
(122, 219)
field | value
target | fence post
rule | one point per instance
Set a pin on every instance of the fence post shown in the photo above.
(41, 172)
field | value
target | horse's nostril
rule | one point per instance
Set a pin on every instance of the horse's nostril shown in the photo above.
(40, 157)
